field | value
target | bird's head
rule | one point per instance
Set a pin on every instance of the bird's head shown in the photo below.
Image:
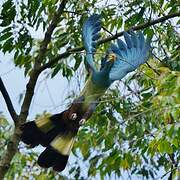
(108, 61)
(111, 57)
(101, 78)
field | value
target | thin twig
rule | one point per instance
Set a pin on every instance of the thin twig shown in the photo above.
(7, 72)
(152, 68)
(105, 29)
(157, 57)
(168, 172)
(50, 96)
(8, 101)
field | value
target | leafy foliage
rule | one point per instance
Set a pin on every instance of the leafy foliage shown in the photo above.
(136, 131)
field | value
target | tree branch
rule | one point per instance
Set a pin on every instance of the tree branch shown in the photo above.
(174, 165)
(35, 72)
(48, 34)
(12, 145)
(8, 101)
(172, 170)
(110, 38)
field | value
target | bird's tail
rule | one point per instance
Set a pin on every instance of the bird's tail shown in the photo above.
(57, 153)
(54, 133)
(41, 131)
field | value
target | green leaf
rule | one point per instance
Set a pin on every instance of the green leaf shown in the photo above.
(165, 147)
(5, 36)
(8, 13)
(56, 70)
(8, 45)
(176, 142)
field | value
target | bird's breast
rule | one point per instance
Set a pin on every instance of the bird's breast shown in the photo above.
(92, 92)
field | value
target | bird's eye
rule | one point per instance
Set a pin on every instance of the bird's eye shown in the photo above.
(112, 57)
(73, 116)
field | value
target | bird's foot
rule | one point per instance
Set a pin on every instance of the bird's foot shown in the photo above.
(82, 121)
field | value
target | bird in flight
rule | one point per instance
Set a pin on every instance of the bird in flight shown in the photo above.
(57, 132)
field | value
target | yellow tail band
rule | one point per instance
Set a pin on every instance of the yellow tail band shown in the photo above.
(44, 123)
(63, 144)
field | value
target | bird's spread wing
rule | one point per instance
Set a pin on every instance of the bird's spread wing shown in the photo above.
(91, 34)
(129, 55)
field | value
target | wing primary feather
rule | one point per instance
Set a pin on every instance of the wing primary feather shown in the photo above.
(134, 40)
(96, 29)
(128, 40)
(96, 36)
(91, 29)
(141, 40)
(147, 47)
(115, 49)
(134, 53)
(122, 45)
(57, 153)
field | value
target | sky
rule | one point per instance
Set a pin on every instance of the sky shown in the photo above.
(50, 94)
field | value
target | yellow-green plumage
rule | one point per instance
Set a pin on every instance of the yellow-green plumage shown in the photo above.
(63, 144)
(44, 123)
(91, 93)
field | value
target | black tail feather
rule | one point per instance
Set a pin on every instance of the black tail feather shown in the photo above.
(51, 158)
(55, 133)
(47, 158)
(33, 136)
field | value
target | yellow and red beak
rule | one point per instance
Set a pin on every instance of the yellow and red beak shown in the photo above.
(112, 57)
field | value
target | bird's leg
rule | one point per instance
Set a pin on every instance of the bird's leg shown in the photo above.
(88, 113)
(76, 115)
(75, 108)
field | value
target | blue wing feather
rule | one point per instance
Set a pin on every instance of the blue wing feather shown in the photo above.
(115, 49)
(91, 34)
(122, 46)
(134, 38)
(128, 40)
(141, 40)
(130, 55)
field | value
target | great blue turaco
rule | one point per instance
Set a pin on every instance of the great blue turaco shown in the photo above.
(57, 132)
